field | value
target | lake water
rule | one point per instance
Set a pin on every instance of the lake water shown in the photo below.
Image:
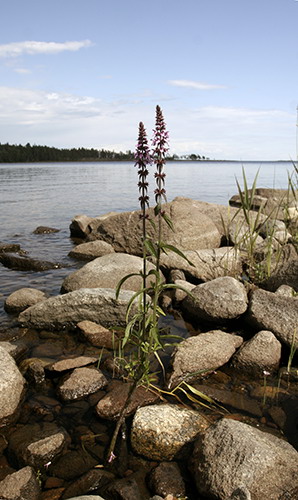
(48, 194)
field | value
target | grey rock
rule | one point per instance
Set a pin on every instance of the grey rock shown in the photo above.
(273, 312)
(183, 287)
(197, 356)
(79, 227)
(285, 270)
(12, 388)
(193, 229)
(90, 481)
(70, 363)
(37, 444)
(21, 299)
(218, 300)
(260, 354)
(124, 489)
(65, 311)
(231, 455)
(87, 497)
(16, 349)
(106, 272)
(208, 264)
(286, 291)
(81, 383)
(45, 230)
(20, 485)
(9, 247)
(166, 479)
(91, 250)
(163, 432)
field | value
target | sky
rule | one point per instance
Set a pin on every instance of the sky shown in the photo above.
(84, 73)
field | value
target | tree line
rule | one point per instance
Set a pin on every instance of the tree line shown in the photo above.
(13, 153)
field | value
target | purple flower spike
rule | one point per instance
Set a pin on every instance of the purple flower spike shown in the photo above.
(143, 158)
(160, 149)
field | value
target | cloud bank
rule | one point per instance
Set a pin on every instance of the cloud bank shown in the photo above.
(32, 47)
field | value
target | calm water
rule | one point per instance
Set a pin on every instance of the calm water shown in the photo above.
(32, 195)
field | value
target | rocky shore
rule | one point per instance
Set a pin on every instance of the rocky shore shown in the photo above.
(222, 422)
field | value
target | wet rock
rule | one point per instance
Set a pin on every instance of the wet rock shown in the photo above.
(65, 311)
(87, 497)
(180, 293)
(91, 250)
(98, 335)
(197, 356)
(21, 485)
(233, 399)
(70, 363)
(259, 355)
(12, 388)
(9, 247)
(106, 272)
(16, 349)
(193, 229)
(33, 370)
(37, 444)
(208, 264)
(72, 465)
(110, 406)
(124, 489)
(19, 300)
(19, 263)
(273, 312)
(164, 432)
(218, 300)
(80, 383)
(45, 230)
(93, 480)
(166, 479)
(232, 454)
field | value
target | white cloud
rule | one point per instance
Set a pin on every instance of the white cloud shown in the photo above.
(22, 71)
(32, 47)
(195, 85)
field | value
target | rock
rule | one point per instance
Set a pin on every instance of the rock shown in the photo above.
(166, 478)
(124, 489)
(106, 272)
(218, 300)
(87, 497)
(207, 264)
(241, 235)
(79, 227)
(286, 291)
(110, 406)
(70, 363)
(80, 383)
(72, 465)
(37, 444)
(21, 485)
(231, 455)
(271, 202)
(33, 370)
(233, 399)
(276, 313)
(92, 480)
(45, 230)
(285, 270)
(259, 355)
(65, 311)
(165, 432)
(197, 356)
(19, 263)
(9, 247)
(180, 293)
(16, 349)
(12, 388)
(21, 299)
(91, 250)
(193, 229)
(98, 335)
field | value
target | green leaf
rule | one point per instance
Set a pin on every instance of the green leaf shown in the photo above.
(169, 222)
(150, 247)
(172, 248)
(120, 283)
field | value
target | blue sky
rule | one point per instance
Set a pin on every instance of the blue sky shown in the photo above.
(85, 72)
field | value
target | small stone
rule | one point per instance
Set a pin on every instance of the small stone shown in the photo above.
(80, 383)
(71, 363)
(21, 299)
(21, 485)
(98, 335)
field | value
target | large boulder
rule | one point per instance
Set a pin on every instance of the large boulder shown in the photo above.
(218, 300)
(275, 312)
(207, 264)
(197, 356)
(65, 311)
(193, 229)
(164, 432)
(12, 388)
(106, 272)
(20, 485)
(231, 455)
(91, 250)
